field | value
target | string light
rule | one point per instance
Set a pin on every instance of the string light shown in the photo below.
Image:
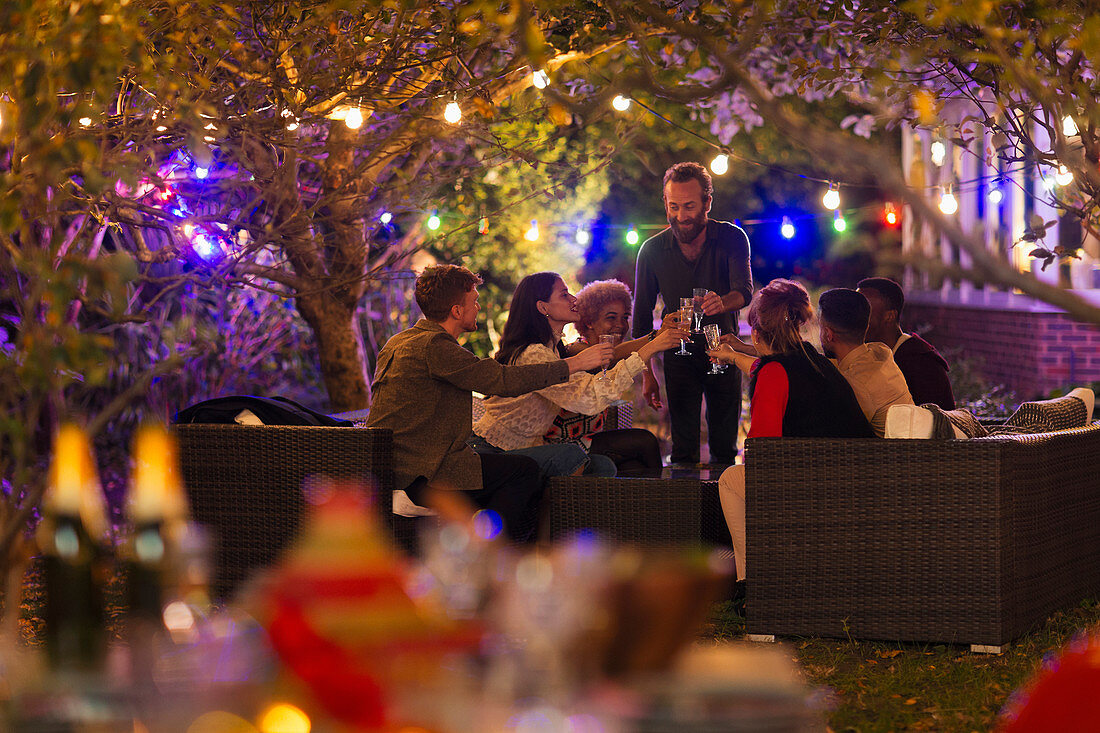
(386, 218)
(85, 121)
(948, 204)
(452, 113)
(787, 228)
(720, 164)
(434, 222)
(483, 225)
(621, 103)
(995, 196)
(583, 237)
(354, 118)
(890, 214)
(532, 234)
(632, 236)
(939, 152)
(1064, 176)
(539, 79)
(831, 199)
(840, 224)
(201, 173)
(1069, 126)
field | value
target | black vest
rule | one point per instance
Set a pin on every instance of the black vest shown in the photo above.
(820, 402)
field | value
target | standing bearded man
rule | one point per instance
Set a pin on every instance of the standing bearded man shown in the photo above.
(695, 252)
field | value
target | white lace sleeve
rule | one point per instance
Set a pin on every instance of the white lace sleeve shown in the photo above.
(584, 393)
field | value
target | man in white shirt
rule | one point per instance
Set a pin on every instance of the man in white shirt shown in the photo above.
(868, 367)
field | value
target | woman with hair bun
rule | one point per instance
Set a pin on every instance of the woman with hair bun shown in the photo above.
(794, 391)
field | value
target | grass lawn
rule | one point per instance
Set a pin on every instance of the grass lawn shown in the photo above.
(878, 686)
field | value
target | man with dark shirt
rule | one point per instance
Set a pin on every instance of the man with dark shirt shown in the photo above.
(924, 369)
(695, 252)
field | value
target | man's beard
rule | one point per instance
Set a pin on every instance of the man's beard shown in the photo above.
(686, 232)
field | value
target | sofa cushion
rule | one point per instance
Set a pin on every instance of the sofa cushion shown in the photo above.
(929, 421)
(1045, 416)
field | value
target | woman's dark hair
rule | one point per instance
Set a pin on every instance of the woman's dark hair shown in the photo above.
(525, 325)
(777, 313)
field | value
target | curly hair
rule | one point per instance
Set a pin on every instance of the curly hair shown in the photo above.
(597, 295)
(778, 312)
(441, 286)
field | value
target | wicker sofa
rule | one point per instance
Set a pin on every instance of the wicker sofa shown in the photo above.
(245, 484)
(959, 541)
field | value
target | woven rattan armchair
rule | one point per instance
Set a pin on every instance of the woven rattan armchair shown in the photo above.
(959, 541)
(245, 483)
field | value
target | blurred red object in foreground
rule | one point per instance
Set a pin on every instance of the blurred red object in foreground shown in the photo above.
(339, 618)
(1063, 695)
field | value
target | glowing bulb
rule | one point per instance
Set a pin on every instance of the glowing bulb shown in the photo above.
(720, 164)
(939, 152)
(386, 217)
(948, 204)
(1064, 176)
(621, 103)
(787, 228)
(632, 236)
(291, 126)
(452, 113)
(583, 237)
(354, 118)
(532, 234)
(85, 121)
(995, 195)
(839, 223)
(202, 172)
(539, 79)
(483, 225)
(831, 199)
(1069, 127)
(284, 718)
(891, 217)
(434, 221)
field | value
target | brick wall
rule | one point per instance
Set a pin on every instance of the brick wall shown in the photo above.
(1029, 348)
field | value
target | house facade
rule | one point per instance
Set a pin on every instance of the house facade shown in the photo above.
(1012, 339)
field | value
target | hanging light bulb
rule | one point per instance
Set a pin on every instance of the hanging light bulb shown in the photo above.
(1069, 126)
(890, 214)
(621, 103)
(85, 121)
(539, 79)
(840, 224)
(483, 225)
(386, 218)
(720, 164)
(939, 152)
(434, 221)
(831, 199)
(202, 172)
(1064, 176)
(354, 118)
(452, 112)
(995, 195)
(632, 236)
(583, 237)
(532, 234)
(948, 204)
(787, 228)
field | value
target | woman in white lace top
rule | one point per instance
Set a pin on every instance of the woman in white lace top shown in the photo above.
(541, 307)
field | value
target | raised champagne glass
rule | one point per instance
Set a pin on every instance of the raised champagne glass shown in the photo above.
(697, 296)
(686, 307)
(713, 342)
(607, 338)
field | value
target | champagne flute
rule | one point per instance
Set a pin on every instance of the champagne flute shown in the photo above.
(697, 296)
(686, 307)
(607, 338)
(713, 342)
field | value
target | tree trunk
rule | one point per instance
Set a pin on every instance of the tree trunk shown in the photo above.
(340, 348)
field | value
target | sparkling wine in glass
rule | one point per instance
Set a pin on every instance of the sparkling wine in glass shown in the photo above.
(686, 307)
(697, 296)
(713, 342)
(607, 338)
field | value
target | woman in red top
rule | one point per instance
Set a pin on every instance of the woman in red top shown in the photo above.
(794, 391)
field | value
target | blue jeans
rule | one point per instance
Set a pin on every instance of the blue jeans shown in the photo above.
(554, 459)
